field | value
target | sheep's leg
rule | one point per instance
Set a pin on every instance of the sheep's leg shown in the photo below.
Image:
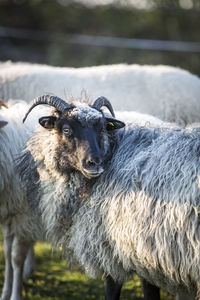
(29, 264)
(151, 292)
(7, 286)
(20, 250)
(112, 289)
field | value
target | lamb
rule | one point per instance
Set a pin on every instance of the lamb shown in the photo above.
(64, 208)
(143, 212)
(16, 218)
(168, 93)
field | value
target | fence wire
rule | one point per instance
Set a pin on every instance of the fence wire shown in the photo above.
(101, 41)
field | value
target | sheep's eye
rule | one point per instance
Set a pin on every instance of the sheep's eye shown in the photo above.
(67, 131)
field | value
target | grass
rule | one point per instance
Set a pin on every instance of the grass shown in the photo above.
(53, 280)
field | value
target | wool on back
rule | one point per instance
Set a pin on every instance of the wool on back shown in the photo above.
(13, 205)
(166, 92)
(143, 215)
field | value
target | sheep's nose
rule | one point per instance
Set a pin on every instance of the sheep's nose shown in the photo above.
(92, 166)
(93, 161)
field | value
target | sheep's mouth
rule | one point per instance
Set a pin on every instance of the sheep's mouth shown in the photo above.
(92, 173)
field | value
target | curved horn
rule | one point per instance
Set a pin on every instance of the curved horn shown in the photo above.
(3, 104)
(57, 102)
(103, 101)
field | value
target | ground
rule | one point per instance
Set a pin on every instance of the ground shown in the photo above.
(53, 280)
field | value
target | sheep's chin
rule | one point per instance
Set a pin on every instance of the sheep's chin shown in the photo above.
(92, 174)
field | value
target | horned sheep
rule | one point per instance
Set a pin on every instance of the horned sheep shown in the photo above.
(140, 215)
(169, 93)
(143, 213)
(20, 226)
(18, 234)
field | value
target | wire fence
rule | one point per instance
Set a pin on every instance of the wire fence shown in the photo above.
(101, 41)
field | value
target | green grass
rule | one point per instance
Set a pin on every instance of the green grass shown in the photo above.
(52, 279)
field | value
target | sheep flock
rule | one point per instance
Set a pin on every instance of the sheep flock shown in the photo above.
(137, 210)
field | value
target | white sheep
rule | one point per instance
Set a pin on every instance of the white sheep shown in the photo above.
(169, 93)
(16, 219)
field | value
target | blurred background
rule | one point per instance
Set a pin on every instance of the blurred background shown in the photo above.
(93, 32)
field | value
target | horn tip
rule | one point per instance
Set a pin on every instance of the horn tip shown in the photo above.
(24, 119)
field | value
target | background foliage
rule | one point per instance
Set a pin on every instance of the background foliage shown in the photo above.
(170, 20)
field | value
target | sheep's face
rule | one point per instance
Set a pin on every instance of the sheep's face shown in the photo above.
(84, 142)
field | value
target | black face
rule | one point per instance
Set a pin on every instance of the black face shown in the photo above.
(84, 147)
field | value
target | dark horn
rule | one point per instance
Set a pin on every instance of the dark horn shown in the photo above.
(57, 102)
(102, 101)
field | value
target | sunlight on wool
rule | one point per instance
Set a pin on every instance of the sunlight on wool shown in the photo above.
(186, 4)
(138, 4)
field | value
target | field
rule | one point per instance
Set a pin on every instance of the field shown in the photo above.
(54, 280)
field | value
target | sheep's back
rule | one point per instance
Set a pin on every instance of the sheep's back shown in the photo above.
(168, 93)
(147, 217)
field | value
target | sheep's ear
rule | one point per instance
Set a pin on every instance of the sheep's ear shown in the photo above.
(3, 123)
(48, 122)
(112, 124)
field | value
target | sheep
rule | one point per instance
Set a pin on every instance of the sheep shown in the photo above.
(143, 212)
(166, 92)
(15, 217)
(64, 209)
(21, 227)
(61, 171)
(13, 137)
(169, 93)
